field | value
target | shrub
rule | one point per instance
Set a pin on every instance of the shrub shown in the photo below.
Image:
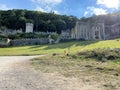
(54, 36)
(100, 54)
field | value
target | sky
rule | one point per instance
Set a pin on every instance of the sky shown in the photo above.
(78, 8)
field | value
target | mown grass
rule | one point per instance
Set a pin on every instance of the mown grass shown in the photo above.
(72, 47)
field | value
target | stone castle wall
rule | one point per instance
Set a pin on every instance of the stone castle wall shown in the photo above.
(21, 42)
(93, 31)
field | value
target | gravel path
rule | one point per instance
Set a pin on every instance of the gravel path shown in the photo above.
(17, 74)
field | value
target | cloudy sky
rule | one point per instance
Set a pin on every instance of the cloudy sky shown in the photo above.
(77, 8)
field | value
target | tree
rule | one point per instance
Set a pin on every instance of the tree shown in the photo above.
(60, 25)
(16, 19)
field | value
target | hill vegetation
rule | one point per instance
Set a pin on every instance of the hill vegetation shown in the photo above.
(17, 19)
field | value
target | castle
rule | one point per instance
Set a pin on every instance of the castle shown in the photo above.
(29, 28)
(82, 30)
(93, 31)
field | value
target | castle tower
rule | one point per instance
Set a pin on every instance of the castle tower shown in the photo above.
(29, 27)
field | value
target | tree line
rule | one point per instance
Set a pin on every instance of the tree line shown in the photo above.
(43, 22)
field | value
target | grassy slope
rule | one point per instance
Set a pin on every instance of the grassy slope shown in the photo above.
(89, 70)
(74, 46)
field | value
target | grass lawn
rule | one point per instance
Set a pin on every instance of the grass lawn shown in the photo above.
(72, 47)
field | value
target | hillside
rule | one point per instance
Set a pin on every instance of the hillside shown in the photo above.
(71, 47)
(16, 19)
(43, 22)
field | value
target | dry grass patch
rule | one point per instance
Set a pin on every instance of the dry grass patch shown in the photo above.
(91, 71)
(73, 66)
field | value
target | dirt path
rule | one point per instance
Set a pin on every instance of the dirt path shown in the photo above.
(16, 74)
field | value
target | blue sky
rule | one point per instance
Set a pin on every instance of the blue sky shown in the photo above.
(78, 8)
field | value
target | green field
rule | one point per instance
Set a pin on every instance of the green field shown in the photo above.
(72, 47)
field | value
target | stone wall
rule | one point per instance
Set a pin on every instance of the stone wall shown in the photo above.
(3, 44)
(21, 42)
(10, 31)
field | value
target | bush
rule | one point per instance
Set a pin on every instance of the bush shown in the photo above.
(54, 36)
(100, 54)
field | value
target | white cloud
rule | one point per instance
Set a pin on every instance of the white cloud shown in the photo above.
(46, 5)
(86, 13)
(39, 9)
(48, 1)
(4, 7)
(46, 9)
(56, 12)
(96, 11)
(109, 3)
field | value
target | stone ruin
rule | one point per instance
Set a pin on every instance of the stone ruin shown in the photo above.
(82, 30)
(93, 31)
(29, 27)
